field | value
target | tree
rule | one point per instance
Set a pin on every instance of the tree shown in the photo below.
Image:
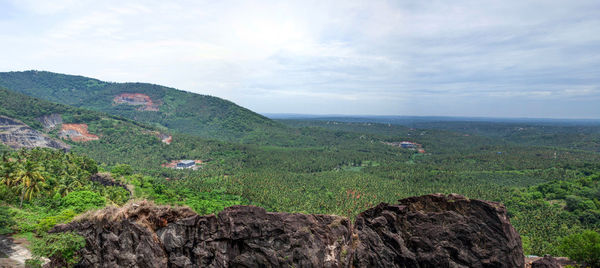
(7, 168)
(122, 170)
(29, 179)
(582, 247)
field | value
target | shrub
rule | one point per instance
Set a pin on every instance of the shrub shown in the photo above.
(6, 220)
(582, 247)
(26, 220)
(121, 170)
(61, 248)
(83, 200)
(116, 195)
(47, 223)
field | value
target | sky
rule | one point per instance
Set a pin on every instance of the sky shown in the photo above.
(446, 58)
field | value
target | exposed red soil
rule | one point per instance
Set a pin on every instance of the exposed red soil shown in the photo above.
(77, 132)
(165, 138)
(136, 99)
(171, 164)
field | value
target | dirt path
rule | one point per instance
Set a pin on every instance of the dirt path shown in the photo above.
(13, 252)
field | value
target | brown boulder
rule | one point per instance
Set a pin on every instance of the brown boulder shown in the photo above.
(124, 237)
(106, 179)
(248, 236)
(546, 262)
(426, 231)
(437, 231)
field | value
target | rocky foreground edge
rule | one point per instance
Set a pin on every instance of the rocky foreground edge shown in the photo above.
(426, 231)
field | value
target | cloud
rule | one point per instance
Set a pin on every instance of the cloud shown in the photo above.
(357, 57)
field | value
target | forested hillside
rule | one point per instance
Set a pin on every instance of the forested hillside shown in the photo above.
(181, 111)
(119, 140)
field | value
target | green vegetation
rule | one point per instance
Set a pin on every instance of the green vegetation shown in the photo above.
(181, 111)
(548, 180)
(194, 193)
(62, 247)
(571, 134)
(583, 247)
(6, 221)
(80, 201)
(63, 190)
(43, 187)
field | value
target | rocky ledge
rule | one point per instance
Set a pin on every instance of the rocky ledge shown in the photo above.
(426, 231)
(16, 135)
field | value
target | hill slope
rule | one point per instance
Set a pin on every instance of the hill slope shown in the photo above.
(185, 112)
(106, 138)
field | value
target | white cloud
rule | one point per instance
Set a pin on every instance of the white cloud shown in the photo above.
(365, 56)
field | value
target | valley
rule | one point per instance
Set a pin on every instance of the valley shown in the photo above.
(545, 173)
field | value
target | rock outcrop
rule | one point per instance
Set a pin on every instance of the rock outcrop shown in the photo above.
(124, 237)
(16, 135)
(50, 121)
(546, 262)
(437, 231)
(107, 180)
(426, 231)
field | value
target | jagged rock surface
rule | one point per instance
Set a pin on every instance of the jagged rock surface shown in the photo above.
(50, 121)
(124, 237)
(16, 135)
(546, 262)
(247, 236)
(437, 231)
(107, 180)
(426, 231)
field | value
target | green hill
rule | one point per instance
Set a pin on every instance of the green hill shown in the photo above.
(177, 110)
(119, 140)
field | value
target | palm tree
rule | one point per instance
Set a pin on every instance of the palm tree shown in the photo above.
(30, 180)
(7, 169)
(67, 184)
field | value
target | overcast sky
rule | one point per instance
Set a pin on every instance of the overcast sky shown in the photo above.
(473, 58)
